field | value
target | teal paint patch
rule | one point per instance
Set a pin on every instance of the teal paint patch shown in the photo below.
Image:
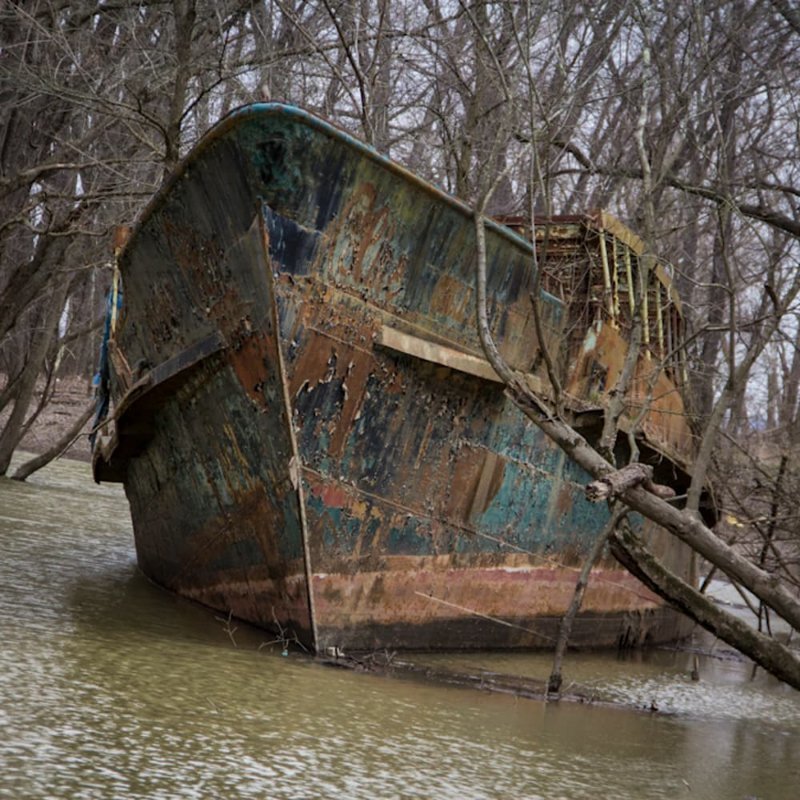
(575, 473)
(514, 438)
(411, 537)
(580, 523)
(337, 537)
(590, 340)
(339, 533)
(519, 508)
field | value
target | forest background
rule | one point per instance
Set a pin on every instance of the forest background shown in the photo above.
(679, 118)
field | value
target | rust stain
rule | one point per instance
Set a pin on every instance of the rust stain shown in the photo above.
(564, 498)
(357, 371)
(250, 360)
(597, 370)
(452, 297)
(324, 361)
(332, 495)
(466, 475)
(364, 234)
(358, 597)
(261, 600)
(198, 256)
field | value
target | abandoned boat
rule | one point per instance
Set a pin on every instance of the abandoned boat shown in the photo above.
(308, 433)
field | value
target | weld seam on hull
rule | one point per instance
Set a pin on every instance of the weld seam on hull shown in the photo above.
(295, 468)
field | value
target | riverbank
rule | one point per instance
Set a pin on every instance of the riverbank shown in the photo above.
(70, 397)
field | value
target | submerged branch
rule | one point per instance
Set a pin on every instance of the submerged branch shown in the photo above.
(555, 679)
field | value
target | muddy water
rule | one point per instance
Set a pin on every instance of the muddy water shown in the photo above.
(112, 688)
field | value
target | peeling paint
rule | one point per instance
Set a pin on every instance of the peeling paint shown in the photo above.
(345, 461)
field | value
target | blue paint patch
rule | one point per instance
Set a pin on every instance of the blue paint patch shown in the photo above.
(292, 248)
(412, 537)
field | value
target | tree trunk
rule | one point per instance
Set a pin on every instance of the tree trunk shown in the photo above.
(14, 427)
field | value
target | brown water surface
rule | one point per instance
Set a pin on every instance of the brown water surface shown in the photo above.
(113, 688)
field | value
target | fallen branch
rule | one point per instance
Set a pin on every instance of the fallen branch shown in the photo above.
(687, 527)
(616, 483)
(29, 467)
(771, 654)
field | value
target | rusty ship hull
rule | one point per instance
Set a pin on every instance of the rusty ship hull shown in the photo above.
(308, 434)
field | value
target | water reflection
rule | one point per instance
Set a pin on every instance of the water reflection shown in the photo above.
(110, 687)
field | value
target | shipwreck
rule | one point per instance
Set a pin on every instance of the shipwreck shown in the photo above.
(308, 433)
